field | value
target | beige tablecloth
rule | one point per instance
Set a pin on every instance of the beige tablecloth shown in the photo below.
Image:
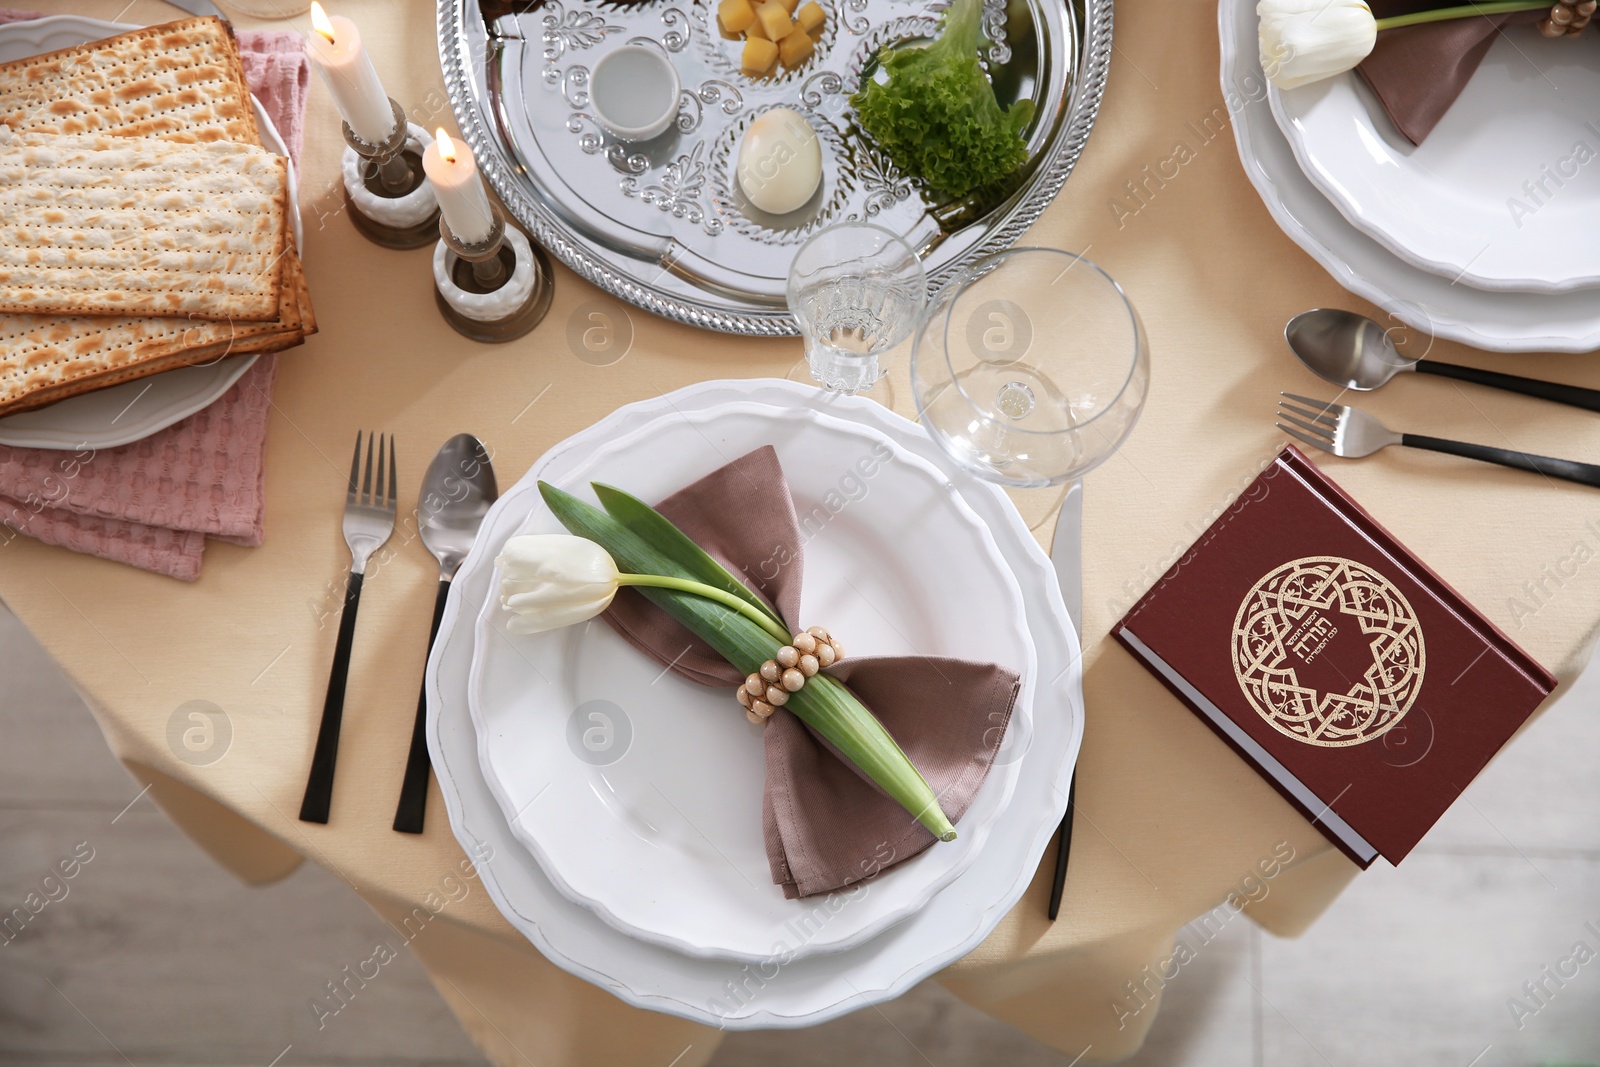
(1170, 822)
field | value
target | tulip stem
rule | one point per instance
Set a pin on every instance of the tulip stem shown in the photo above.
(1491, 7)
(684, 585)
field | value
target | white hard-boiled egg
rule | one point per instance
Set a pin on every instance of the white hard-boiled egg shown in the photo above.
(780, 161)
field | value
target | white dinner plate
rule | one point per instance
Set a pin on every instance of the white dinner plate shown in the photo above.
(780, 992)
(132, 411)
(1503, 194)
(1497, 321)
(640, 793)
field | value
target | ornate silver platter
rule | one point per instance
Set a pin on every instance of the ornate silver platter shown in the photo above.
(662, 223)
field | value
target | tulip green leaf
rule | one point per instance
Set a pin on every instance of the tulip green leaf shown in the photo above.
(678, 546)
(823, 704)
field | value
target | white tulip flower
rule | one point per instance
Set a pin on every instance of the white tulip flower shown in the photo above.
(1304, 41)
(548, 581)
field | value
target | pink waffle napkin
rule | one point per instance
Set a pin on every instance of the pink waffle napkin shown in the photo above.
(153, 503)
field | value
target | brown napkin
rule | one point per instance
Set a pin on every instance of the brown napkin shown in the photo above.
(1418, 71)
(826, 826)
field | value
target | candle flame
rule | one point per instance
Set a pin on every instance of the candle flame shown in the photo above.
(320, 22)
(447, 147)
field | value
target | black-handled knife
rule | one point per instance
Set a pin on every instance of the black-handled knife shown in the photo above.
(1066, 554)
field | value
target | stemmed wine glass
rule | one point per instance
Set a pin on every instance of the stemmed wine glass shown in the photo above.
(1030, 367)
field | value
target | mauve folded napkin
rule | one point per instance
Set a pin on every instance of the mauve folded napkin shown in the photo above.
(826, 826)
(1418, 71)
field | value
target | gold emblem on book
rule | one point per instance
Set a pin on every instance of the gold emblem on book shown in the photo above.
(1328, 651)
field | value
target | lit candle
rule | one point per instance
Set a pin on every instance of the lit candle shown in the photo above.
(453, 173)
(346, 69)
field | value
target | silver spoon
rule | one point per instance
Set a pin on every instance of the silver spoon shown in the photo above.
(456, 493)
(1352, 351)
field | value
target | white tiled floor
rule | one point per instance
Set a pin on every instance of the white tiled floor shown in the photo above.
(152, 956)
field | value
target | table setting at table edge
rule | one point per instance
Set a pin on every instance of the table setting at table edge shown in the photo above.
(415, 467)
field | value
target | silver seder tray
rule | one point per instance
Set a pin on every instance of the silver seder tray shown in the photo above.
(662, 224)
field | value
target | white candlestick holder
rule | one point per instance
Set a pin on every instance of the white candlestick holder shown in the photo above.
(390, 200)
(493, 290)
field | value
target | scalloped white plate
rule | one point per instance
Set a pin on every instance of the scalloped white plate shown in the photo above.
(132, 411)
(656, 824)
(1463, 204)
(781, 992)
(1496, 321)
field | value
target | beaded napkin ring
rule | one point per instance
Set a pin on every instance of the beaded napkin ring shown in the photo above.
(768, 689)
(1568, 18)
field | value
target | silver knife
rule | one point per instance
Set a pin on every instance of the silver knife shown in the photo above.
(1066, 553)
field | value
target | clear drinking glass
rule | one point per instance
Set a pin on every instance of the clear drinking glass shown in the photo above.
(856, 290)
(1031, 367)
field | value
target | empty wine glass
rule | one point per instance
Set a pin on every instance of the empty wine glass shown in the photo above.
(1031, 367)
(855, 290)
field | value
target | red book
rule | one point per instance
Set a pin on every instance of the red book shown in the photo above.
(1348, 673)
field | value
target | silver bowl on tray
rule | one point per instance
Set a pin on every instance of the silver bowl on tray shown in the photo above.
(662, 224)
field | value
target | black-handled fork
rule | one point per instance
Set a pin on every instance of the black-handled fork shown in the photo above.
(1352, 433)
(368, 521)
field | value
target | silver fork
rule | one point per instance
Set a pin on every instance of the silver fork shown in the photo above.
(1349, 432)
(368, 521)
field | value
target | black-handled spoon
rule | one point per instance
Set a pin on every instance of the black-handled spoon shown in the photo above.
(457, 491)
(1352, 351)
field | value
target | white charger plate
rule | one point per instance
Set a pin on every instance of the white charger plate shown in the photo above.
(1460, 204)
(655, 822)
(132, 411)
(779, 993)
(1496, 321)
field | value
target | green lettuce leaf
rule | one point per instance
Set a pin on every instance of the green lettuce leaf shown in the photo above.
(936, 115)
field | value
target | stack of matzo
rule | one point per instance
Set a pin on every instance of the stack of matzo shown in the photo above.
(142, 227)
(181, 79)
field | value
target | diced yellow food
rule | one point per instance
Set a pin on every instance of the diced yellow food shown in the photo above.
(795, 49)
(735, 15)
(759, 55)
(811, 16)
(774, 18)
(770, 32)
